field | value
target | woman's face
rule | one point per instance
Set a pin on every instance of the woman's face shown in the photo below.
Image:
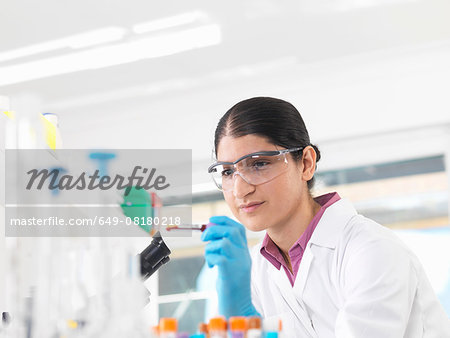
(267, 205)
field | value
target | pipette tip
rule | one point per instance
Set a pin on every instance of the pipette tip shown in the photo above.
(199, 227)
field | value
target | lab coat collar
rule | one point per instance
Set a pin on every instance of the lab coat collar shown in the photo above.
(333, 221)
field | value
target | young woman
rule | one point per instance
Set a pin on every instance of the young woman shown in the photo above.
(322, 268)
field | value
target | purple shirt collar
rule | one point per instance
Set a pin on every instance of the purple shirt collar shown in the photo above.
(271, 252)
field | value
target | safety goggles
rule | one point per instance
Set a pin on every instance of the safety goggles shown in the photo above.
(256, 168)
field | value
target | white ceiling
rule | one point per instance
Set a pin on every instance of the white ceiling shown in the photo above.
(253, 32)
(330, 58)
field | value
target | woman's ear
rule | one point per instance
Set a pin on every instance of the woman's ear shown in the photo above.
(309, 163)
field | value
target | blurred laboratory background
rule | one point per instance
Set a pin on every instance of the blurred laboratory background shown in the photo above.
(370, 78)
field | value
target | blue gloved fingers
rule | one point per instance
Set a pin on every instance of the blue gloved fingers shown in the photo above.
(219, 232)
(225, 220)
(214, 247)
(213, 259)
(222, 247)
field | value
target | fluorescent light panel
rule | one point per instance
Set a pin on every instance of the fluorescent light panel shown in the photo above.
(102, 57)
(169, 22)
(88, 39)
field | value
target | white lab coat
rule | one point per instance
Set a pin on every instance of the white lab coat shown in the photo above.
(356, 279)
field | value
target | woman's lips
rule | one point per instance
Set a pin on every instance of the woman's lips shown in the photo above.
(250, 207)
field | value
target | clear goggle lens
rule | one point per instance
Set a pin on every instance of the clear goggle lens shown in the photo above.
(254, 169)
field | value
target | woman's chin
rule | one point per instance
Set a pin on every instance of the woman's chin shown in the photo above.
(254, 225)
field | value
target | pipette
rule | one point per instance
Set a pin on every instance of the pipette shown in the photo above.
(199, 227)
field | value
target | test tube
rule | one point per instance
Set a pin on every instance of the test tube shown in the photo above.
(238, 327)
(271, 334)
(155, 331)
(272, 327)
(168, 328)
(217, 327)
(199, 227)
(254, 327)
(203, 328)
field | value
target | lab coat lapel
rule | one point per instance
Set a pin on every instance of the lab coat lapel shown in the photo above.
(303, 271)
(285, 288)
(325, 235)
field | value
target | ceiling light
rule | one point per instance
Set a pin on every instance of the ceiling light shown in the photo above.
(169, 22)
(87, 39)
(111, 55)
(96, 37)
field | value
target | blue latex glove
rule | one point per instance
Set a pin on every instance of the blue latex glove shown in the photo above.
(229, 251)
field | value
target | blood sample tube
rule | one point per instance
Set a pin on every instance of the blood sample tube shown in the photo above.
(254, 327)
(203, 328)
(168, 328)
(217, 327)
(238, 327)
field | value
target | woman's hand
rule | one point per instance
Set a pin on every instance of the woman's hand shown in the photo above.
(227, 249)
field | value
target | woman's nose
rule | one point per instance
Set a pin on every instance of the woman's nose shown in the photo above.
(240, 186)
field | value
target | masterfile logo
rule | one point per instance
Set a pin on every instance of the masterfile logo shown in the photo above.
(91, 182)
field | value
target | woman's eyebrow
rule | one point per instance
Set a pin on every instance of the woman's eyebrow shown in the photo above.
(260, 152)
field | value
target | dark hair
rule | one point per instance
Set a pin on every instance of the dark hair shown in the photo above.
(276, 120)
